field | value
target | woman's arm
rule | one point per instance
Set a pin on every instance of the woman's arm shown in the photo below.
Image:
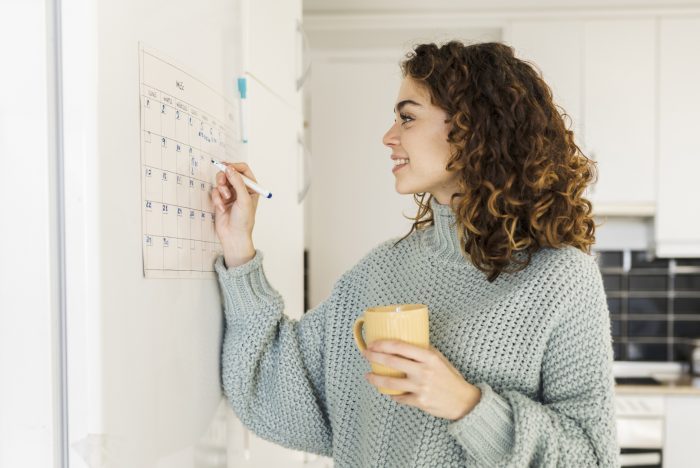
(273, 366)
(574, 425)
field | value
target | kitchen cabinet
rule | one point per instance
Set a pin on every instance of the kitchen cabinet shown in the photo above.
(540, 43)
(602, 72)
(677, 224)
(681, 431)
(659, 418)
(619, 105)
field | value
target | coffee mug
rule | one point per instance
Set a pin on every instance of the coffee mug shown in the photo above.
(404, 322)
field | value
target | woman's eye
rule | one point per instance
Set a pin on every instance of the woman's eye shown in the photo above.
(404, 117)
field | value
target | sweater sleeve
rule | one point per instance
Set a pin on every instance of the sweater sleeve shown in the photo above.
(273, 366)
(573, 421)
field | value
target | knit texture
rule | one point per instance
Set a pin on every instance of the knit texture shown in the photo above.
(537, 343)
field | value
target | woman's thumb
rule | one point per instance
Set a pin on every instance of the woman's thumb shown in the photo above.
(242, 195)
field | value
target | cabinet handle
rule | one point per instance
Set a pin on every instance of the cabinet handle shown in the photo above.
(302, 70)
(303, 159)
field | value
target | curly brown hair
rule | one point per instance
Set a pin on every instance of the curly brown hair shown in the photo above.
(522, 176)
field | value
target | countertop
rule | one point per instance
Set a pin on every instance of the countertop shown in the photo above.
(683, 385)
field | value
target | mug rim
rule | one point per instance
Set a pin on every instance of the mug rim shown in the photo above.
(392, 308)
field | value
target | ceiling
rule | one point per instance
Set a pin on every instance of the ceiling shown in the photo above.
(366, 6)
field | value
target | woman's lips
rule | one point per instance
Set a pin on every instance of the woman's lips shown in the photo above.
(398, 167)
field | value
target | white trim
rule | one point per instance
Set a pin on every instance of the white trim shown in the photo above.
(468, 19)
(640, 459)
(57, 238)
(624, 209)
(679, 248)
(646, 369)
(357, 55)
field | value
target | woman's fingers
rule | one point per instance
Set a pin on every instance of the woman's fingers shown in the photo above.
(225, 191)
(221, 178)
(235, 180)
(401, 384)
(216, 199)
(244, 169)
(399, 363)
(225, 182)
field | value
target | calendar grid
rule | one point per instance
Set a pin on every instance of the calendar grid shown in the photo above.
(167, 62)
(178, 139)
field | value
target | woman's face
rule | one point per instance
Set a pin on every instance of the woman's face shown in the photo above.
(419, 134)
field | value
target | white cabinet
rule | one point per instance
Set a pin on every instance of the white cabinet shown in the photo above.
(681, 432)
(677, 227)
(659, 420)
(602, 72)
(275, 46)
(540, 43)
(619, 108)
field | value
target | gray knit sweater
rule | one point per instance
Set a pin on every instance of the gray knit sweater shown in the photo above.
(537, 343)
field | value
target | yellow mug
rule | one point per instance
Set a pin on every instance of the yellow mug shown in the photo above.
(405, 322)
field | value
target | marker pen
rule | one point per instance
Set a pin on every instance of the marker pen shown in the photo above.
(242, 91)
(247, 181)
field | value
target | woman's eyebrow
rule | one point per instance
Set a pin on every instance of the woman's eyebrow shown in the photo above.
(400, 105)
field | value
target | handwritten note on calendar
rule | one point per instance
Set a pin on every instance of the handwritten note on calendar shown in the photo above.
(184, 122)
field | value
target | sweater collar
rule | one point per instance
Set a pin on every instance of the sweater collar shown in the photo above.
(440, 239)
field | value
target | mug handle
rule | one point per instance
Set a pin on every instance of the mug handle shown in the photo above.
(357, 332)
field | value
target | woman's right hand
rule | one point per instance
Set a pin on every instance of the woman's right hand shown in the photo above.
(235, 206)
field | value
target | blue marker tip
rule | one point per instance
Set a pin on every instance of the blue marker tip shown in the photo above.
(242, 87)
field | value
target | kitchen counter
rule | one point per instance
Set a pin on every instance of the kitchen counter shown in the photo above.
(683, 385)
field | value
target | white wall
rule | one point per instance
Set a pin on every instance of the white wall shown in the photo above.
(27, 240)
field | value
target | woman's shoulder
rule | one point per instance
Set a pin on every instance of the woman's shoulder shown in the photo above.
(564, 258)
(575, 270)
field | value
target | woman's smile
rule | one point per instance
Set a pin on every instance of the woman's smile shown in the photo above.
(399, 163)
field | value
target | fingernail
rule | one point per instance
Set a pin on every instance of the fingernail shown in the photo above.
(230, 170)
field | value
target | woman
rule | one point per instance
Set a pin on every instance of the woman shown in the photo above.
(519, 371)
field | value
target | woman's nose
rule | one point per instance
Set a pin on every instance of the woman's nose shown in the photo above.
(391, 136)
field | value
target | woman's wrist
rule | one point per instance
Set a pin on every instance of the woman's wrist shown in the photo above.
(238, 251)
(472, 397)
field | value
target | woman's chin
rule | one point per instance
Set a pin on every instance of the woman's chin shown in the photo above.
(405, 189)
(401, 190)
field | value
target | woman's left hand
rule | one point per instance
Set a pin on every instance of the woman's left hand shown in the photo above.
(432, 382)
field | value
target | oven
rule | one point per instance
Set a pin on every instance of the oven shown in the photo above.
(640, 430)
